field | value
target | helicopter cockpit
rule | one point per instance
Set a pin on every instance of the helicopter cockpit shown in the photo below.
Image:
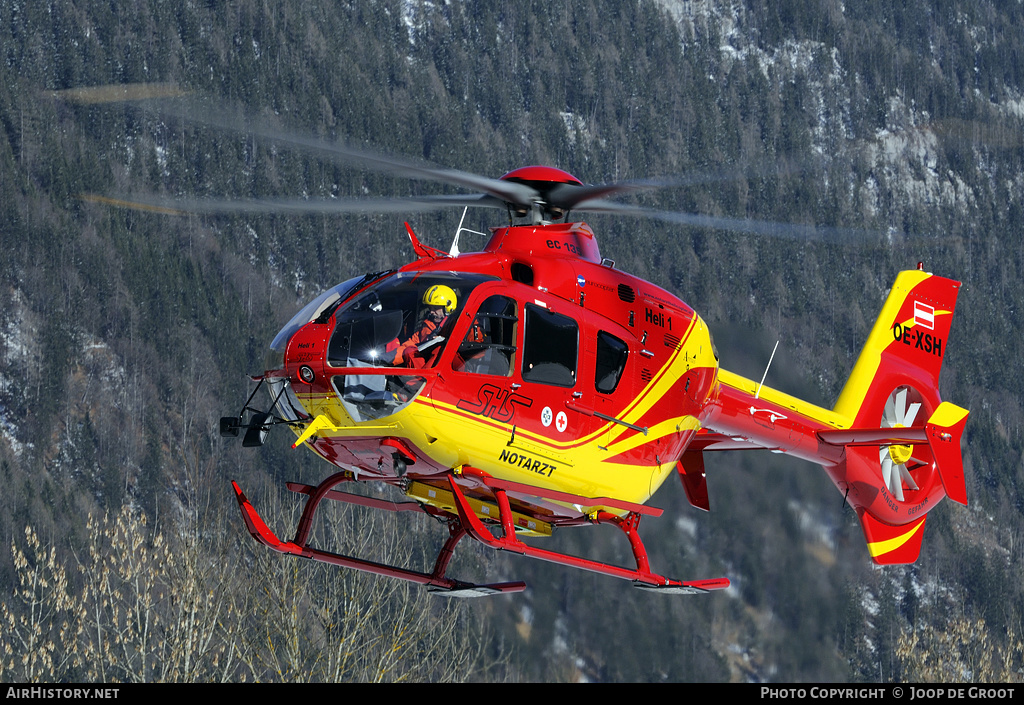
(372, 327)
(404, 321)
(386, 327)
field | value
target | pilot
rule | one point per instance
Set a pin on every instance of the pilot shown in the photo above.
(440, 301)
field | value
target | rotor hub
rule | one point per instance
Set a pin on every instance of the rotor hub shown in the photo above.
(901, 454)
(541, 174)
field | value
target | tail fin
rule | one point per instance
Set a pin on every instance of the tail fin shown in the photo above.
(902, 447)
(892, 545)
(906, 346)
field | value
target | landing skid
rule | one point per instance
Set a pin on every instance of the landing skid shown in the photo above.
(464, 523)
(435, 581)
(641, 576)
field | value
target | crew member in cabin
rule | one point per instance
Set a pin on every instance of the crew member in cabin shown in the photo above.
(440, 301)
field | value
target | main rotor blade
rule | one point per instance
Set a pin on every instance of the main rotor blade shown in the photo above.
(399, 166)
(166, 100)
(743, 225)
(118, 93)
(571, 196)
(178, 206)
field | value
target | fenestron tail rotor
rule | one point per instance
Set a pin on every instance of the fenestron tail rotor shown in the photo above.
(901, 411)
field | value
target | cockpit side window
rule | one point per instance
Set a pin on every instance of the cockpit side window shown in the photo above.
(550, 348)
(490, 345)
(403, 321)
(611, 362)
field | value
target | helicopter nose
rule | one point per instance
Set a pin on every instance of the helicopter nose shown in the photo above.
(278, 353)
(273, 362)
(306, 353)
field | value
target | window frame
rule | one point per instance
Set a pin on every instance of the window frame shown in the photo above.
(541, 339)
(601, 373)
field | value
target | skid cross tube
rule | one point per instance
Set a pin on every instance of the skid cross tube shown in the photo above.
(641, 575)
(435, 580)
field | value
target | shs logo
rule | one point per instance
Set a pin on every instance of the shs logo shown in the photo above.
(495, 403)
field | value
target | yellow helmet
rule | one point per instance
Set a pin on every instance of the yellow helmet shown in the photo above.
(441, 295)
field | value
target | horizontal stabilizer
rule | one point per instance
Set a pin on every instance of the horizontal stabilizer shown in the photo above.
(873, 436)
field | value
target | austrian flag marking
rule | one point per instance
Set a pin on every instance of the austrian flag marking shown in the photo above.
(924, 315)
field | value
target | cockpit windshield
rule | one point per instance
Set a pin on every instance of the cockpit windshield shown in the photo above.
(402, 321)
(316, 307)
(310, 312)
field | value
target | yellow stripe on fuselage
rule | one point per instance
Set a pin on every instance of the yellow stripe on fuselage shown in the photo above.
(784, 400)
(588, 465)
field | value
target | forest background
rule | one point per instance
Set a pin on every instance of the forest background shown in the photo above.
(124, 335)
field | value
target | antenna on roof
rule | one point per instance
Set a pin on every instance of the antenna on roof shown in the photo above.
(758, 395)
(454, 252)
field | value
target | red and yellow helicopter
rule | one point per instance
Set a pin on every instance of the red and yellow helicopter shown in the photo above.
(533, 386)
